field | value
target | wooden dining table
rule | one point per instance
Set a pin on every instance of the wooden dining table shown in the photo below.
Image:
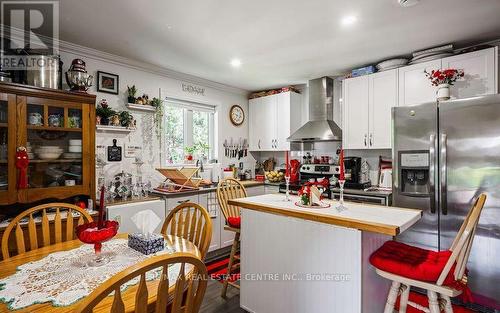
(8, 267)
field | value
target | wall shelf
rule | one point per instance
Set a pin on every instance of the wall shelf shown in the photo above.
(141, 107)
(113, 129)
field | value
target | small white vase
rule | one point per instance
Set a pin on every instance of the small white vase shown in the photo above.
(443, 92)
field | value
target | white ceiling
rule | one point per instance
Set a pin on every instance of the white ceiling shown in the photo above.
(279, 42)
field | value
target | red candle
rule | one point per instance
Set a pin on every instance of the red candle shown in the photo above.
(287, 165)
(341, 164)
(100, 219)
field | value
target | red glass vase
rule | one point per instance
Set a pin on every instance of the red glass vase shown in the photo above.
(91, 234)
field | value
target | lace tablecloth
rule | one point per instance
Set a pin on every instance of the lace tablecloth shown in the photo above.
(62, 278)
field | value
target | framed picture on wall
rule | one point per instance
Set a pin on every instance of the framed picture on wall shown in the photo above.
(107, 82)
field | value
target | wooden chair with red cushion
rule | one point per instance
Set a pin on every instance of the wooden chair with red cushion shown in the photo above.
(228, 189)
(443, 274)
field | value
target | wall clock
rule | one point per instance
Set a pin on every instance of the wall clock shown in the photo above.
(237, 115)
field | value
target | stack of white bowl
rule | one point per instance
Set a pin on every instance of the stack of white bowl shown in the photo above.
(74, 149)
(49, 152)
(29, 150)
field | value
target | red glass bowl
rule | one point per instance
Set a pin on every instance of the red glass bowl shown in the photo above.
(89, 233)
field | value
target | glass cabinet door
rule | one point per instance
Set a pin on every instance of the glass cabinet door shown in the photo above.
(4, 142)
(54, 143)
(7, 147)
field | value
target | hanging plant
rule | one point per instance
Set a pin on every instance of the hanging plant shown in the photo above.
(157, 103)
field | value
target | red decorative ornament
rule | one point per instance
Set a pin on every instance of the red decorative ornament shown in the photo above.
(98, 232)
(341, 164)
(22, 162)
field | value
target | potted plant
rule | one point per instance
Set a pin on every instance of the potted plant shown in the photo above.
(203, 148)
(104, 112)
(443, 79)
(157, 103)
(190, 150)
(126, 119)
(131, 92)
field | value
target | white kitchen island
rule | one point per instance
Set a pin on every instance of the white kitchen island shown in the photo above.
(300, 260)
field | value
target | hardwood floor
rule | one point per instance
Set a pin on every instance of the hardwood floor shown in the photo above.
(213, 303)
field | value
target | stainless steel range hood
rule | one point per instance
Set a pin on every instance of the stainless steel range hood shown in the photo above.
(321, 126)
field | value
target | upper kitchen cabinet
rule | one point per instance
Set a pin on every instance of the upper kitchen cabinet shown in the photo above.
(383, 96)
(367, 110)
(481, 73)
(272, 120)
(414, 87)
(355, 116)
(54, 133)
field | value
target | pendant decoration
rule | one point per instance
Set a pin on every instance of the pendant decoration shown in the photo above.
(22, 162)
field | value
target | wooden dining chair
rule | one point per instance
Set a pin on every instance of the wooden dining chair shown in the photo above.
(187, 290)
(50, 234)
(228, 189)
(192, 222)
(450, 278)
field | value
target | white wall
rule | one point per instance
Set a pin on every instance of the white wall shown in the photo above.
(151, 83)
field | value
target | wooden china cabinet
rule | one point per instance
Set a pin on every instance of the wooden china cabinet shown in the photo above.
(58, 129)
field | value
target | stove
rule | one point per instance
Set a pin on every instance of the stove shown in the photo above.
(325, 171)
(312, 171)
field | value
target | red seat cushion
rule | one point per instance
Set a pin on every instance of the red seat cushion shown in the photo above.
(234, 221)
(411, 262)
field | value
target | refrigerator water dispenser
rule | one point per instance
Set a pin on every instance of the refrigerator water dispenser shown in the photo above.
(414, 173)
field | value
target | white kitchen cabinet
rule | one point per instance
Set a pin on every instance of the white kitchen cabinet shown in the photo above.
(172, 202)
(122, 213)
(255, 190)
(272, 120)
(481, 73)
(414, 86)
(355, 113)
(209, 201)
(226, 237)
(367, 110)
(383, 96)
(268, 189)
(257, 111)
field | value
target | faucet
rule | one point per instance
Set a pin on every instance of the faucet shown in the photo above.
(199, 163)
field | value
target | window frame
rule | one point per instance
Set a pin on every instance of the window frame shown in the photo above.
(188, 126)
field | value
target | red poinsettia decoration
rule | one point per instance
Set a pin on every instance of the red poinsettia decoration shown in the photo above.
(447, 76)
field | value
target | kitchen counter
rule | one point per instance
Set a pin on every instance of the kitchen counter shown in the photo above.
(364, 192)
(317, 259)
(366, 217)
(204, 189)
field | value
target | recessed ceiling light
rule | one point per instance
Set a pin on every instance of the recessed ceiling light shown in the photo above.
(348, 20)
(235, 62)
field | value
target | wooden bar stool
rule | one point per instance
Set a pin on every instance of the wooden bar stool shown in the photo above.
(227, 189)
(443, 274)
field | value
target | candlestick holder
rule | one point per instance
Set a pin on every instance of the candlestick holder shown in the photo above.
(287, 184)
(341, 207)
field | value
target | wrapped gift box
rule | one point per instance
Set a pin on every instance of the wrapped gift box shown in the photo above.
(145, 245)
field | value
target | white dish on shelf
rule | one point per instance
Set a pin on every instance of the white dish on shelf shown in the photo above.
(75, 142)
(48, 155)
(71, 155)
(430, 58)
(392, 63)
(75, 149)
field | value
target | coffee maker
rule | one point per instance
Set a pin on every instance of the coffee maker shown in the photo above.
(352, 166)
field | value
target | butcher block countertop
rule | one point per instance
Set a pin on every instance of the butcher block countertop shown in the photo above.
(365, 217)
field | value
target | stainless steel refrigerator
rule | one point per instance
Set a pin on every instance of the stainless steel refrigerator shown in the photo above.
(445, 155)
